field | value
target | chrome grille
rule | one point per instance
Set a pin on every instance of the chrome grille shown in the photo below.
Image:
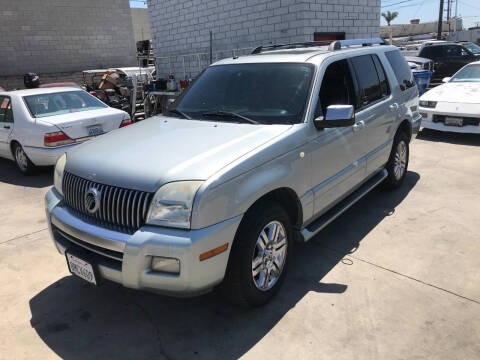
(121, 209)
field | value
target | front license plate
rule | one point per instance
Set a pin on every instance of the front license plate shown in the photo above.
(81, 268)
(453, 121)
(95, 130)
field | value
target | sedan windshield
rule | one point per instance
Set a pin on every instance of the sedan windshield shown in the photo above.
(266, 93)
(43, 105)
(474, 48)
(470, 73)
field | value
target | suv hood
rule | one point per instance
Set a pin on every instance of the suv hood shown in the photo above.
(158, 150)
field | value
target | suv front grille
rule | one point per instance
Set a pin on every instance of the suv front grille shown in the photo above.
(121, 209)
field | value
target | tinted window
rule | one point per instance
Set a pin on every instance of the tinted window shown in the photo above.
(44, 105)
(6, 114)
(453, 50)
(384, 86)
(367, 79)
(432, 52)
(401, 69)
(270, 93)
(337, 87)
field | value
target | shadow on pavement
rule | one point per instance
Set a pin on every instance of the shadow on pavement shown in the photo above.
(77, 320)
(11, 175)
(449, 137)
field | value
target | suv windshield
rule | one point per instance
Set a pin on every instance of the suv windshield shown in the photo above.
(43, 105)
(267, 93)
(469, 73)
(474, 48)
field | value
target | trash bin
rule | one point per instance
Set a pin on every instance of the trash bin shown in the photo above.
(422, 78)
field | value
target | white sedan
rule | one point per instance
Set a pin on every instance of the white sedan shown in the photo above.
(39, 125)
(455, 105)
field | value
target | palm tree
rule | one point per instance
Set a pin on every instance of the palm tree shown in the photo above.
(389, 16)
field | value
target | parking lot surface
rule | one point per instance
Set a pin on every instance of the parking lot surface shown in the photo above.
(395, 277)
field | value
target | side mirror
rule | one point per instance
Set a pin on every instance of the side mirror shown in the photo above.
(336, 116)
(446, 79)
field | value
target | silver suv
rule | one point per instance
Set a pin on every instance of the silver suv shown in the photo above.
(260, 151)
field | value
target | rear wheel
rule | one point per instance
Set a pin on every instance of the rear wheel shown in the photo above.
(398, 162)
(260, 254)
(23, 162)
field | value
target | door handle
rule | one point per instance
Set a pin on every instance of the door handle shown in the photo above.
(6, 126)
(394, 107)
(358, 126)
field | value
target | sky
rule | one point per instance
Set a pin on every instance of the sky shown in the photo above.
(425, 10)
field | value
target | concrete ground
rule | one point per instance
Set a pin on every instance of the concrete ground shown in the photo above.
(396, 277)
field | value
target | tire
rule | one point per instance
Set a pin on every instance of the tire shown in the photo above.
(397, 165)
(24, 164)
(243, 284)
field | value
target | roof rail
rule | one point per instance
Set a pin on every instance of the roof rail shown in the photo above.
(338, 44)
(263, 48)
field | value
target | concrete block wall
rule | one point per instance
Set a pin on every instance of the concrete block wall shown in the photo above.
(181, 27)
(52, 36)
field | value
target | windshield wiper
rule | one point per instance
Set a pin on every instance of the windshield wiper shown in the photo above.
(230, 114)
(179, 112)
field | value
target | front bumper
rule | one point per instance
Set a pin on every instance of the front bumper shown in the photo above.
(416, 122)
(428, 123)
(126, 259)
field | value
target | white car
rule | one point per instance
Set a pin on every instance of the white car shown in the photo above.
(455, 105)
(38, 125)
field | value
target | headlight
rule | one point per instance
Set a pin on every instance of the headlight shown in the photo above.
(58, 173)
(172, 204)
(428, 104)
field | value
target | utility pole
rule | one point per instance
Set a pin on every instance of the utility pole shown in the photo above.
(448, 15)
(440, 18)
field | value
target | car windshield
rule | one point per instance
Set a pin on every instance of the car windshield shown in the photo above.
(474, 48)
(43, 105)
(266, 93)
(470, 73)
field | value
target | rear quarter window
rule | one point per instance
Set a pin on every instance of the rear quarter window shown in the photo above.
(401, 69)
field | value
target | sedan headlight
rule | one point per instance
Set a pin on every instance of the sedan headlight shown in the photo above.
(172, 204)
(58, 173)
(428, 104)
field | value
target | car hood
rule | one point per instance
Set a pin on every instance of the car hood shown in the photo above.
(467, 93)
(158, 150)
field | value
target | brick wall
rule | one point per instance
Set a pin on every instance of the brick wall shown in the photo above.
(53, 36)
(182, 26)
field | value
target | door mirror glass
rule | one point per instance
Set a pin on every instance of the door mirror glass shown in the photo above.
(446, 79)
(336, 116)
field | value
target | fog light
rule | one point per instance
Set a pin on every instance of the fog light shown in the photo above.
(166, 265)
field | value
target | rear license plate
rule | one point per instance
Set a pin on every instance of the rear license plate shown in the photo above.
(81, 268)
(95, 130)
(453, 121)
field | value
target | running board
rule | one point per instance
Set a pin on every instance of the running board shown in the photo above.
(311, 230)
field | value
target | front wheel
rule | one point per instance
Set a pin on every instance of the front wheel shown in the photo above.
(23, 162)
(398, 162)
(259, 257)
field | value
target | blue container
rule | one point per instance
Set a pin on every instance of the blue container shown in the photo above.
(422, 78)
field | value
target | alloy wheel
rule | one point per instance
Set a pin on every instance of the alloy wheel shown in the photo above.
(269, 255)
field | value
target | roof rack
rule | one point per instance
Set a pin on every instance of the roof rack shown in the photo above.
(263, 48)
(332, 44)
(338, 44)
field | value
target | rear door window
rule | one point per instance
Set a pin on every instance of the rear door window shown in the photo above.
(384, 86)
(432, 52)
(368, 81)
(401, 69)
(6, 114)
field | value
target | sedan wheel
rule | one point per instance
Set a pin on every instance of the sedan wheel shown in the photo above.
(23, 162)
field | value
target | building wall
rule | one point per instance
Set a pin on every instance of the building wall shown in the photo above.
(399, 30)
(53, 36)
(141, 24)
(181, 27)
